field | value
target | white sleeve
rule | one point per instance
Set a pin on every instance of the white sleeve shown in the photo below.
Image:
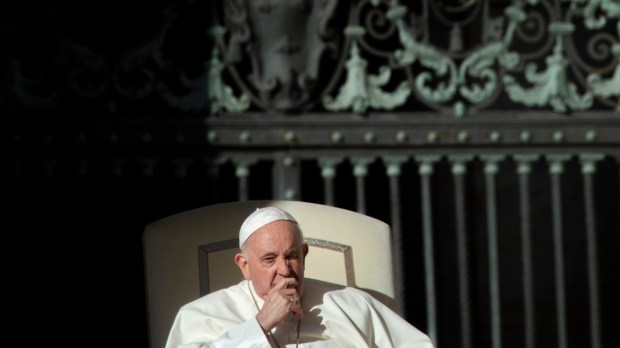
(354, 318)
(188, 333)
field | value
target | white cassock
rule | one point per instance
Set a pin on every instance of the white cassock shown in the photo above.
(334, 316)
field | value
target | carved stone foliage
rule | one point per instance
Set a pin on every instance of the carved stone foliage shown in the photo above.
(284, 42)
(277, 56)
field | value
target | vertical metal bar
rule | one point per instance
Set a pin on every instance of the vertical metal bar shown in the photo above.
(360, 170)
(426, 171)
(212, 175)
(242, 172)
(117, 167)
(490, 169)
(556, 168)
(524, 169)
(458, 172)
(180, 167)
(588, 168)
(393, 172)
(286, 177)
(148, 166)
(328, 172)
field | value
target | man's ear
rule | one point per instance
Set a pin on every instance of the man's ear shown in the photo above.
(242, 263)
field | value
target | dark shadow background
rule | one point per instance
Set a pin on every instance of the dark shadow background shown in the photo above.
(101, 137)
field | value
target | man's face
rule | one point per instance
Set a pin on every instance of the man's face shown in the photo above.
(272, 253)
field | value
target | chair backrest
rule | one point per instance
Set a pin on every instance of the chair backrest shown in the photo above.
(191, 253)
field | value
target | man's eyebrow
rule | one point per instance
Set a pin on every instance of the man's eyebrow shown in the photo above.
(272, 253)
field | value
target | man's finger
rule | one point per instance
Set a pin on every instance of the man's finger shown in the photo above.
(285, 283)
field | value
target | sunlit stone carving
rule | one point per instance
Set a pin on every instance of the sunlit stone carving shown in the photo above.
(221, 97)
(361, 89)
(551, 86)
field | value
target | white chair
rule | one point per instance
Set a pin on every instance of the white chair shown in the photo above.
(190, 254)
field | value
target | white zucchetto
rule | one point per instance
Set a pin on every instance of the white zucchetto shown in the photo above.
(259, 218)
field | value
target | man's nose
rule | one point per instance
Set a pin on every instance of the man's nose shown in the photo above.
(284, 268)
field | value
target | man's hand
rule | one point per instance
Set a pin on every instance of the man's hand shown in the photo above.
(278, 304)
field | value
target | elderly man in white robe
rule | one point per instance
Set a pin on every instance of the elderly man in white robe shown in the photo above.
(275, 307)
